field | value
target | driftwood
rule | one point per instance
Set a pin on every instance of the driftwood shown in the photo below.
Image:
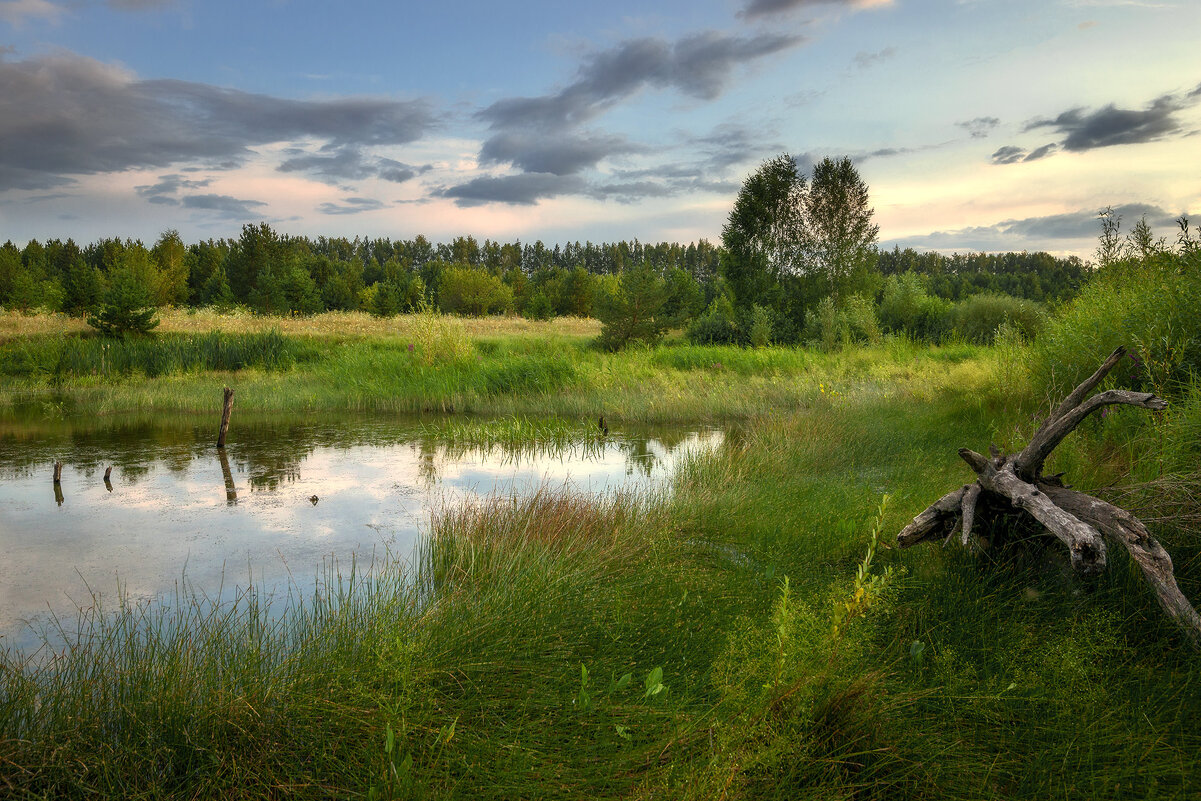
(1008, 482)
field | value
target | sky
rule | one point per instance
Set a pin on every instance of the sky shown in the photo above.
(977, 124)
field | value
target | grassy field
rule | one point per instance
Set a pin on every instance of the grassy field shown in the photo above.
(750, 634)
(428, 363)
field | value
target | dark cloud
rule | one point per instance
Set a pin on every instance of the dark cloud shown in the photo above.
(765, 8)
(338, 164)
(1196, 92)
(563, 154)
(979, 127)
(542, 136)
(224, 205)
(1115, 126)
(1041, 152)
(64, 114)
(1011, 154)
(863, 59)
(351, 205)
(523, 189)
(167, 186)
(699, 65)
(1054, 232)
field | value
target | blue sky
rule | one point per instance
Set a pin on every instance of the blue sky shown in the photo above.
(976, 124)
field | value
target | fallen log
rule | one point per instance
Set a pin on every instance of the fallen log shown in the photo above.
(1014, 482)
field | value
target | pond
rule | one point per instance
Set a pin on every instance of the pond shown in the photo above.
(281, 500)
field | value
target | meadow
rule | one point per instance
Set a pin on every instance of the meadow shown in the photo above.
(751, 633)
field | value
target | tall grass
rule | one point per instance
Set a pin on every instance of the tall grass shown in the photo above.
(748, 635)
(74, 357)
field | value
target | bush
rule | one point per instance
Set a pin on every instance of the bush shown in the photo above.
(907, 308)
(716, 326)
(831, 327)
(539, 307)
(1148, 305)
(978, 317)
(761, 326)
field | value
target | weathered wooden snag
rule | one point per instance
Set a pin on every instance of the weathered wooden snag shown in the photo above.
(1079, 521)
(226, 410)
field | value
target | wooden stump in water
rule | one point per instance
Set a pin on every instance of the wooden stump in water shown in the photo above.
(1014, 482)
(226, 410)
(58, 472)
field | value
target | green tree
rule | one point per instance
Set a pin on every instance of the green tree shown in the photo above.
(468, 290)
(171, 257)
(634, 309)
(765, 233)
(83, 288)
(127, 306)
(840, 237)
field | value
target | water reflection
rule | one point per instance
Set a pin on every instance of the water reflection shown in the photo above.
(170, 501)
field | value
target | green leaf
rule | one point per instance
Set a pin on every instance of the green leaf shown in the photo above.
(654, 683)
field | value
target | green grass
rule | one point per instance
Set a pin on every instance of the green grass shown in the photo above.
(434, 364)
(708, 642)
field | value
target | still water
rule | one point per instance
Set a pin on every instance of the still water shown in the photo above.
(175, 506)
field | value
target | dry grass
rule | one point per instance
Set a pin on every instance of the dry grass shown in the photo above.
(337, 325)
(15, 324)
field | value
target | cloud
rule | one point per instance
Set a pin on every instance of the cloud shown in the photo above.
(1041, 152)
(64, 114)
(1111, 125)
(543, 137)
(1011, 154)
(352, 205)
(863, 59)
(167, 187)
(1063, 230)
(17, 12)
(766, 8)
(523, 189)
(224, 205)
(562, 154)
(699, 65)
(979, 127)
(347, 163)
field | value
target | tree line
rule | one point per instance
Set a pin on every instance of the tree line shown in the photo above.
(797, 261)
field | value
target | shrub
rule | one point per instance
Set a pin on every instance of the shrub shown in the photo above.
(906, 308)
(716, 326)
(1148, 305)
(977, 318)
(539, 307)
(761, 326)
(831, 327)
